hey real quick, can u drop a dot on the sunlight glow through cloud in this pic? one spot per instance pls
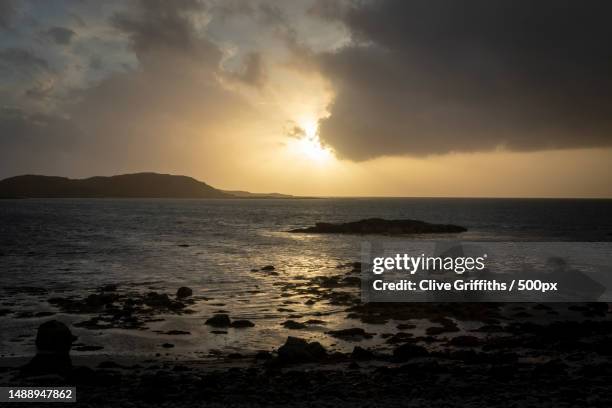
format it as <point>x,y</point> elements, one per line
<point>309,145</point>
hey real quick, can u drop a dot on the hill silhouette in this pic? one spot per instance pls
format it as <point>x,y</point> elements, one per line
<point>139,185</point>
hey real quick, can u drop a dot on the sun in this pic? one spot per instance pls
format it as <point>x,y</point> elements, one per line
<point>309,145</point>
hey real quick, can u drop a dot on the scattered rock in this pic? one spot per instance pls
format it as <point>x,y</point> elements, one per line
<point>219,320</point>
<point>263,355</point>
<point>359,353</point>
<point>293,325</point>
<point>397,338</point>
<point>161,301</point>
<point>240,324</point>
<point>465,341</point>
<point>268,268</point>
<point>407,352</point>
<point>296,350</point>
<point>315,321</point>
<point>355,333</point>
<point>177,332</point>
<point>167,345</point>
<point>183,292</point>
<point>436,330</point>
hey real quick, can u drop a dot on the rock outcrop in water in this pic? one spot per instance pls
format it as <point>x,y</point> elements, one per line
<point>381,226</point>
<point>183,292</point>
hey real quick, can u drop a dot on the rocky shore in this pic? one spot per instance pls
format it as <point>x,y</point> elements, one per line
<point>469,354</point>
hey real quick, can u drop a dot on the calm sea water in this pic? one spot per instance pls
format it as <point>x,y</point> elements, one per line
<point>76,245</point>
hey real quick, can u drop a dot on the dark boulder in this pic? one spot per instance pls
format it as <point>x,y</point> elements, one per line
<point>407,352</point>
<point>381,226</point>
<point>154,299</point>
<point>161,301</point>
<point>177,332</point>
<point>53,343</point>
<point>355,333</point>
<point>219,320</point>
<point>263,355</point>
<point>241,324</point>
<point>268,268</point>
<point>359,353</point>
<point>296,350</point>
<point>54,337</point>
<point>183,292</point>
<point>465,341</point>
<point>293,325</point>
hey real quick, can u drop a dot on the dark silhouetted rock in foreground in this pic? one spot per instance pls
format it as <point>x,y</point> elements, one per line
<point>53,343</point>
<point>54,337</point>
<point>381,226</point>
<point>293,325</point>
<point>408,351</point>
<point>296,350</point>
<point>219,320</point>
<point>241,324</point>
<point>356,333</point>
<point>359,353</point>
<point>183,292</point>
<point>161,301</point>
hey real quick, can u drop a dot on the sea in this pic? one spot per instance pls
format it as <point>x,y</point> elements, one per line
<point>70,247</point>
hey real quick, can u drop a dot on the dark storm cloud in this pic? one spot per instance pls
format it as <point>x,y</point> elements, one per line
<point>59,35</point>
<point>130,116</point>
<point>22,131</point>
<point>7,12</point>
<point>29,141</point>
<point>19,62</point>
<point>158,25</point>
<point>436,76</point>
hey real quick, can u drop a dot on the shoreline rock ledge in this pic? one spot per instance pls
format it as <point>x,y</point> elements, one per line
<point>382,227</point>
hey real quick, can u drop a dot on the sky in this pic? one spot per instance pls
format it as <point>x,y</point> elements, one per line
<point>431,98</point>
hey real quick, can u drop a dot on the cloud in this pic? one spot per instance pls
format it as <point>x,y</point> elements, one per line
<point>168,110</point>
<point>19,60</point>
<point>252,72</point>
<point>7,12</point>
<point>440,76</point>
<point>162,26</point>
<point>59,35</point>
<point>29,141</point>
